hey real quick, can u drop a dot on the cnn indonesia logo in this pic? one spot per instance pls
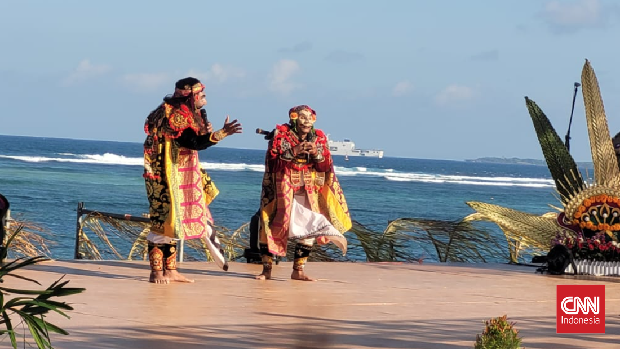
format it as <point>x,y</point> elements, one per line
<point>580,309</point>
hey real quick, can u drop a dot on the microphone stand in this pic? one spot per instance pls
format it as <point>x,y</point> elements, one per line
<point>567,137</point>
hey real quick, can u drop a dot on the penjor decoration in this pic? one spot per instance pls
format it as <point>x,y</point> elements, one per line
<point>590,211</point>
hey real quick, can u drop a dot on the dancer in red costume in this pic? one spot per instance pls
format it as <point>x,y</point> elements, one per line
<point>301,198</point>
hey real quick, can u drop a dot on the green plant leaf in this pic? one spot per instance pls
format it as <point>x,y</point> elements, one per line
<point>23,278</point>
<point>20,263</point>
<point>9,327</point>
<point>559,161</point>
<point>38,307</point>
<point>17,291</point>
<point>57,305</point>
<point>38,334</point>
<point>37,329</point>
<point>49,326</point>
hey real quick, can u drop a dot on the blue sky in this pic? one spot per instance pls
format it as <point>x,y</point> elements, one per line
<point>424,79</point>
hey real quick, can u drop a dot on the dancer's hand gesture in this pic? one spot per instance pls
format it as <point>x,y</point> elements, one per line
<point>231,127</point>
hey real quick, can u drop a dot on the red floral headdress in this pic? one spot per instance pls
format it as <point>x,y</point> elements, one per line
<point>293,113</point>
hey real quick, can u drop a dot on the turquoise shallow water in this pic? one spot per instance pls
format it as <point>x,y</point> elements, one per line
<point>45,178</point>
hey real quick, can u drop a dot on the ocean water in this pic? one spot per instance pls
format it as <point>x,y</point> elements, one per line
<point>45,178</point>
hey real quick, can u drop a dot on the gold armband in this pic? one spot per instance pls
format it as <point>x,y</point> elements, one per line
<point>217,136</point>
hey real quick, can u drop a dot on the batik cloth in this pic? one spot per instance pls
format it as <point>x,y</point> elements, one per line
<point>178,189</point>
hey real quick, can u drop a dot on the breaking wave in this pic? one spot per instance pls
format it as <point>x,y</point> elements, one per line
<point>387,174</point>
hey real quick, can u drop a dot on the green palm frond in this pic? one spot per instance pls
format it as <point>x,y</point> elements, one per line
<point>561,164</point>
<point>20,263</point>
<point>32,311</point>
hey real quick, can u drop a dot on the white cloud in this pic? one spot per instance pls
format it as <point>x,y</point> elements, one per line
<point>218,73</point>
<point>146,81</point>
<point>280,77</point>
<point>402,88</point>
<point>571,16</point>
<point>84,71</point>
<point>455,94</point>
<point>223,73</point>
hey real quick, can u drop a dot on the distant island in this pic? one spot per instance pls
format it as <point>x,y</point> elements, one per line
<point>518,161</point>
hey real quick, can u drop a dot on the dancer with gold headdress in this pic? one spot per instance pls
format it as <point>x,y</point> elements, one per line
<point>301,198</point>
<point>178,189</point>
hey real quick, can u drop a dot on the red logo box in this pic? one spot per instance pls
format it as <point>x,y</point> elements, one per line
<point>580,309</point>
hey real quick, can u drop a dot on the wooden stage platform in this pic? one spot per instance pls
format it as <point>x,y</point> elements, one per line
<point>353,305</point>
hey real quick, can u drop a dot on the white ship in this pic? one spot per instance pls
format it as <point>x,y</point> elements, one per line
<point>347,148</point>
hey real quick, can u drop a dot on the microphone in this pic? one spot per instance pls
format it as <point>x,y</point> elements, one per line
<point>268,134</point>
<point>260,131</point>
<point>203,114</point>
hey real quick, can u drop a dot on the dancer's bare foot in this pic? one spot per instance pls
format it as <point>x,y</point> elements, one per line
<point>158,277</point>
<point>300,275</point>
<point>174,275</point>
<point>265,275</point>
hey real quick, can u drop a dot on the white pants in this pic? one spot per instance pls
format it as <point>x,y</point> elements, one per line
<point>159,238</point>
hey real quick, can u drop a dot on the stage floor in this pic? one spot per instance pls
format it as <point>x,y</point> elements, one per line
<point>353,305</point>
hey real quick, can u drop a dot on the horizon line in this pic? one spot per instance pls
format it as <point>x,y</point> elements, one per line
<point>393,157</point>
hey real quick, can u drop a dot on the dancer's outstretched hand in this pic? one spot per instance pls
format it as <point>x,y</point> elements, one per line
<point>231,127</point>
